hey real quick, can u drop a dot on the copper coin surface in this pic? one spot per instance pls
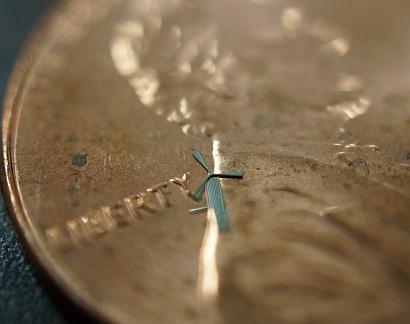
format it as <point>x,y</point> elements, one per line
<point>298,114</point>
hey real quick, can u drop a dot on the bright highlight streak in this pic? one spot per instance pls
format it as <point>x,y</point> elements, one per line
<point>208,281</point>
<point>217,156</point>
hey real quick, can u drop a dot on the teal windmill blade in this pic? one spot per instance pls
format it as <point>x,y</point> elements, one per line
<point>232,174</point>
<point>200,190</point>
<point>214,193</point>
<point>216,201</point>
<point>200,158</point>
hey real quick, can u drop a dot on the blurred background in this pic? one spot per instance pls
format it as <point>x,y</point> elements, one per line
<point>22,297</point>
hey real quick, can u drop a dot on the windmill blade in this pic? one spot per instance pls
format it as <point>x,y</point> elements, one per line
<point>232,174</point>
<point>216,201</point>
<point>200,158</point>
<point>198,210</point>
<point>200,190</point>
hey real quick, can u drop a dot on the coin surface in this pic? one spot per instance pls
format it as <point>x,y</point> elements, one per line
<point>284,125</point>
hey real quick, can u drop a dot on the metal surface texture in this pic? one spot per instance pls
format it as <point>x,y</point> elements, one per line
<point>310,100</point>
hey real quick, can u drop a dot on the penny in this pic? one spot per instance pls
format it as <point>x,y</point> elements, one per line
<point>283,127</point>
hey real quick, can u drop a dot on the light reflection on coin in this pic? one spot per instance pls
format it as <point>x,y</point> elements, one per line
<point>309,100</point>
